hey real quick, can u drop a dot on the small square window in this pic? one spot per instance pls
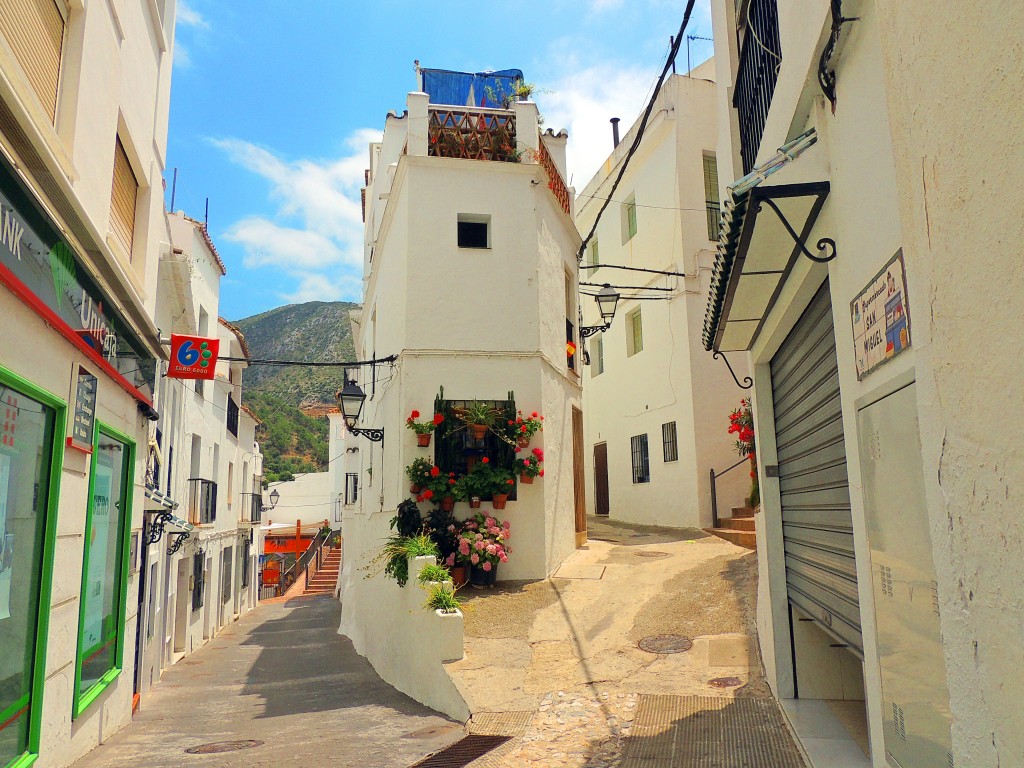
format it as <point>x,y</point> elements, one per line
<point>628,219</point>
<point>474,231</point>
<point>634,333</point>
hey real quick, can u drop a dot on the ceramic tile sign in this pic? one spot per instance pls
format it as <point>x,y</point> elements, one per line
<point>881,318</point>
<point>192,357</point>
<point>84,415</point>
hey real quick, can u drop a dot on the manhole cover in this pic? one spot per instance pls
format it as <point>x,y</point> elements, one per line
<point>650,553</point>
<point>216,747</point>
<point>665,644</point>
<point>725,682</point>
<point>433,730</point>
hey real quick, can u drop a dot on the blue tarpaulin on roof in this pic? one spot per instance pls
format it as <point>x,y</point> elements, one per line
<point>480,89</point>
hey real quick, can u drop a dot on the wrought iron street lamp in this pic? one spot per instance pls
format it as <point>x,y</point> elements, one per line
<point>607,301</point>
<point>275,496</point>
<point>351,400</point>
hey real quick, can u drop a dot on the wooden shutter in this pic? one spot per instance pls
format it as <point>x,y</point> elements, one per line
<point>122,200</point>
<point>34,29</point>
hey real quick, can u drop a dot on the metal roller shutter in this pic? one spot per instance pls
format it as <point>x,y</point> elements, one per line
<point>821,576</point>
<point>34,29</point>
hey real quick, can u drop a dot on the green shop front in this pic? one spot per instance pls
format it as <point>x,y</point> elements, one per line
<point>75,384</point>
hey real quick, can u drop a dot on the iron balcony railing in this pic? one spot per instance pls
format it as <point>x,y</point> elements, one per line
<point>252,508</point>
<point>760,57</point>
<point>202,500</point>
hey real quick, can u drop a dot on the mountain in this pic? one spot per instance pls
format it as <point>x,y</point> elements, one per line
<point>292,400</point>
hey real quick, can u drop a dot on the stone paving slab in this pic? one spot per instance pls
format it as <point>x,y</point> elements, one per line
<point>284,676</point>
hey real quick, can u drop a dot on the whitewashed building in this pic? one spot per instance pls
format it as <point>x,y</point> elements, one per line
<point>656,404</point>
<point>84,94</point>
<point>867,267</point>
<point>471,282</point>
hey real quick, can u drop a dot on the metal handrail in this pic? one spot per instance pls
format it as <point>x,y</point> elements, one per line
<point>301,564</point>
<point>714,490</point>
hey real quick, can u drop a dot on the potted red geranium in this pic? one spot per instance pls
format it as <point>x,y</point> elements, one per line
<point>423,429</point>
<point>521,430</point>
<point>530,467</point>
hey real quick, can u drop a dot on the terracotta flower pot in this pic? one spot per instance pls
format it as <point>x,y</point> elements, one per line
<point>413,488</point>
<point>474,502</point>
<point>479,431</point>
<point>525,479</point>
<point>498,500</point>
<point>522,441</point>
<point>423,440</point>
<point>458,573</point>
<point>448,503</point>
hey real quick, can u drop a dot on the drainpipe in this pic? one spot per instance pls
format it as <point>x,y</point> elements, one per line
<point>615,130</point>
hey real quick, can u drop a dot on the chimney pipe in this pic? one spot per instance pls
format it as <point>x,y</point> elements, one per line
<point>615,130</point>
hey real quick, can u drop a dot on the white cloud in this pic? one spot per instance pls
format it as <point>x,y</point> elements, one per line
<point>189,16</point>
<point>182,60</point>
<point>316,235</point>
<point>582,102</point>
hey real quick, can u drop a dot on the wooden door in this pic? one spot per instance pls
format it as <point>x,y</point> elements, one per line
<point>578,486</point>
<point>601,479</point>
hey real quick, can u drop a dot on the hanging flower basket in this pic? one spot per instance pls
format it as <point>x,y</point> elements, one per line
<point>526,479</point>
<point>474,502</point>
<point>413,488</point>
<point>448,503</point>
<point>478,431</point>
<point>423,440</point>
<point>499,500</point>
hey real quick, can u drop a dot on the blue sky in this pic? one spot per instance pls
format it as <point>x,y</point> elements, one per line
<point>273,103</point>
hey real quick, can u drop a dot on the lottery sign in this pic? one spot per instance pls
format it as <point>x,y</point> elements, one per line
<point>192,357</point>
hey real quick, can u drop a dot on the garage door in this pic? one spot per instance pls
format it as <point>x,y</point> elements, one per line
<point>821,577</point>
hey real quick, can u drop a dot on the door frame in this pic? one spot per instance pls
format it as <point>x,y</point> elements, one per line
<point>578,480</point>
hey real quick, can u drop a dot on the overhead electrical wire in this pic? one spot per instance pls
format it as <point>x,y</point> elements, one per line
<point>635,269</point>
<point>673,52</point>
<point>624,287</point>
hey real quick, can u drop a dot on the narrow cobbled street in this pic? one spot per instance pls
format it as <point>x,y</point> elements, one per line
<point>283,685</point>
<point>637,653</point>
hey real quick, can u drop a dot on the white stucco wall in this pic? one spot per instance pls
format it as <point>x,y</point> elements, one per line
<point>306,499</point>
<point>672,379</point>
<point>956,137</point>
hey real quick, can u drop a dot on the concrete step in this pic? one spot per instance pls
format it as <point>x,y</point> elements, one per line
<point>746,539</point>
<point>742,511</point>
<point>737,523</point>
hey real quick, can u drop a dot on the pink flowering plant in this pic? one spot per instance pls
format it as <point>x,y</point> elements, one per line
<point>531,464</point>
<point>482,543</point>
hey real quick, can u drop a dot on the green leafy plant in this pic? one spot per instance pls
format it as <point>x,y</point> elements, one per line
<point>433,572</point>
<point>408,521</point>
<point>477,412</point>
<point>491,479</point>
<point>441,598</point>
<point>393,558</point>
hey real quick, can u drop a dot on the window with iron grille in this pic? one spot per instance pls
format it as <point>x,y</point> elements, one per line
<point>198,582</point>
<point>455,449</point>
<point>244,562</point>
<point>351,487</point>
<point>641,460</point>
<point>232,416</point>
<point>759,63</point>
<point>711,199</point>
<point>225,573</point>
<point>669,446</point>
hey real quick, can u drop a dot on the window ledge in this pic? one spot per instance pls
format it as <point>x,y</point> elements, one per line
<point>87,698</point>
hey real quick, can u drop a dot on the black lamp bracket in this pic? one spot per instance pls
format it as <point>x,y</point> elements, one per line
<point>156,526</point>
<point>825,244</point>
<point>748,383</point>
<point>179,541</point>
<point>589,330</point>
<point>373,435</point>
